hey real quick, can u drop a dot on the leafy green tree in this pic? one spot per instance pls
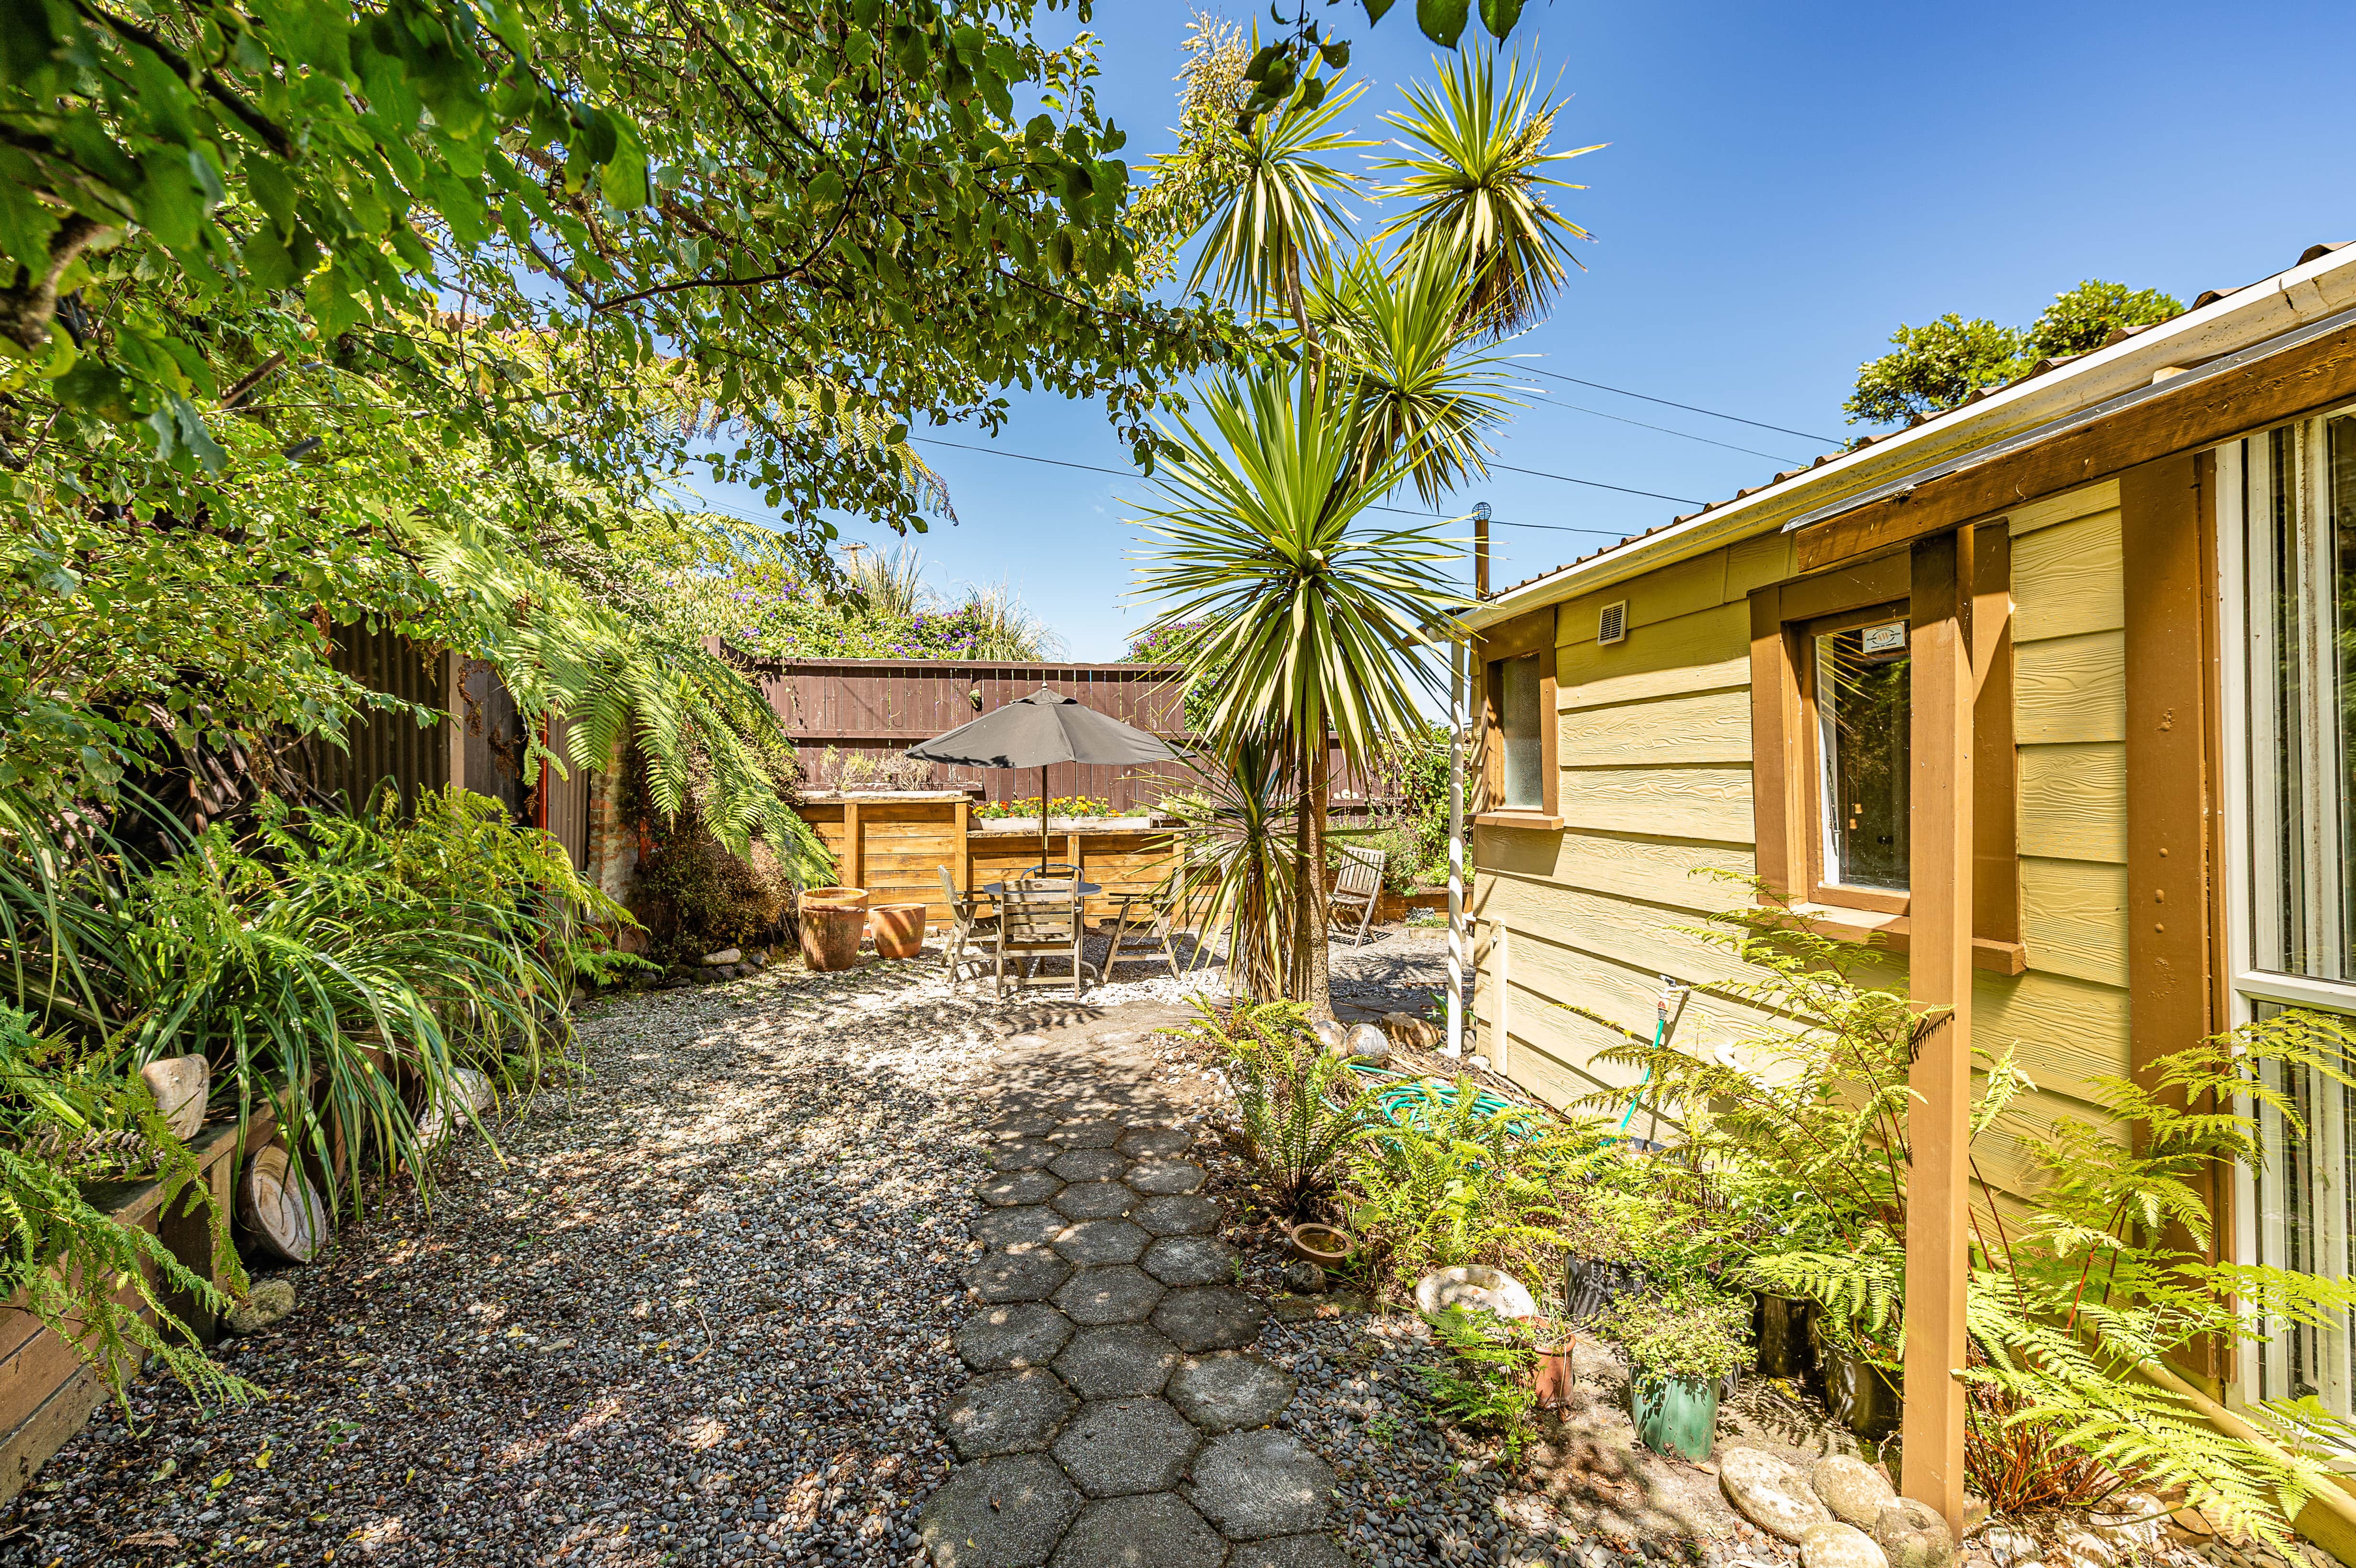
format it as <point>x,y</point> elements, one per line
<point>1316,616</point>
<point>1476,184</point>
<point>1936,367</point>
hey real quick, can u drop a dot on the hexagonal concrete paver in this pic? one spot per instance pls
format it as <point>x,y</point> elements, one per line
<point>1163,1177</point>
<point>1015,1187</point>
<point>1228,1390</point>
<point>1289,1551</point>
<point>1033,1226</point>
<point>1088,1165</point>
<point>1102,1242</point>
<point>1019,1334</point>
<point>1123,1359</point>
<point>1120,1293</point>
<point>1084,1134</point>
<point>1181,1215</point>
<point>1206,1316</point>
<point>1031,1273</point>
<point>1021,1154</point>
<point>1118,1447</point>
<point>1094,1199</point>
<point>1192,1260</point>
<point>1008,1513</point>
<point>1256,1483</point>
<point>1158,1530</point>
<point>1153,1142</point>
<point>1007,1412</point>
<point>1023,1124</point>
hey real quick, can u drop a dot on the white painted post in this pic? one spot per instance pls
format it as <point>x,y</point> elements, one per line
<point>1456,945</point>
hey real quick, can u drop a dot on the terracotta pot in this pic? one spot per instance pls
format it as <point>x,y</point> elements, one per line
<point>899,930</point>
<point>1551,1375</point>
<point>833,898</point>
<point>1328,1246</point>
<point>830,936</point>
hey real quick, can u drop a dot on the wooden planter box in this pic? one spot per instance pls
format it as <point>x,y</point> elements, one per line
<point>46,1391</point>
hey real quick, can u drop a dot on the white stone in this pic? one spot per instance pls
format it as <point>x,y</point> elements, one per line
<point>1853,1489</point>
<point>1911,1534</point>
<point>725,955</point>
<point>1770,1493</point>
<point>1832,1544</point>
<point>1476,1287</point>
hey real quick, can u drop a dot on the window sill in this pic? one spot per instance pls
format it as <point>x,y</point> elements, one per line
<point>1891,932</point>
<point>1535,821</point>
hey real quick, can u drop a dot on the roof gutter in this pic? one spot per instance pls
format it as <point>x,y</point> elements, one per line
<point>2249,322</point>
<point>2184,380</point>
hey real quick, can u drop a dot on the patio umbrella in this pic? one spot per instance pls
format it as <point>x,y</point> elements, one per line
<point>1036,732</point>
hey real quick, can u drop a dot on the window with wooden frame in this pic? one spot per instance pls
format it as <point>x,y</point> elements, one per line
<point>1831,665</point>
<point>1521,780</point>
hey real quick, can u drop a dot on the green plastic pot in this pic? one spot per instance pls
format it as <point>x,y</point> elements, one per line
<point>1677,1416</point>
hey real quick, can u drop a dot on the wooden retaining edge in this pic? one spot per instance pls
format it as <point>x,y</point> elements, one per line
<point>2329,1517</point>
<point>47,1391</point>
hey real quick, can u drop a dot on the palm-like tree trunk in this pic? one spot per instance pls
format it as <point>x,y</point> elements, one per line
<point>1310,924</point>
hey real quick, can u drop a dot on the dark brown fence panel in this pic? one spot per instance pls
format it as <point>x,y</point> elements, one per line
<point>381,745</point>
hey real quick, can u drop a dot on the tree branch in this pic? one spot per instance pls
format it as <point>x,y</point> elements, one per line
<point>275,139</point>
<point>27,310</point>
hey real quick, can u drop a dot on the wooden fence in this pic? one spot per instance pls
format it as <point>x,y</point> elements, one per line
<point>851,721</point>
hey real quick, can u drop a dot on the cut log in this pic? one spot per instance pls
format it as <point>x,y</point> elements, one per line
<point>277,1204</point>
<point>181,1085</point>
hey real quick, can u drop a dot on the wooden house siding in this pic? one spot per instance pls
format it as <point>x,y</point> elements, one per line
<point>1576,927</point>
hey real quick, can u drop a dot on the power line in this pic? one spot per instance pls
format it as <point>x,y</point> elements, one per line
<point>1410,511</point>
<point>1639,424</point>
<point>1596,485</point>
<point>1647,397</point>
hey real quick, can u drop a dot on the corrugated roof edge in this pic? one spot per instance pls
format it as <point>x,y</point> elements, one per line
<point>2247,315</point>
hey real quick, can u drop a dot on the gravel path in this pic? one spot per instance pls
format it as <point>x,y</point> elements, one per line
<point>703,1310</point>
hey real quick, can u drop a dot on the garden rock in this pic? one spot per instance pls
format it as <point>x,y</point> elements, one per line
<point>1304,1277</point>
<point>1832,1544</point>
<point>1770,1494</point>
<point>725,955</point>
<point>1368,1044</point>
<point>1912,1535</point>
<point>270,1301</point>
<point>1410,1031</point>
<point>1853,1489</point>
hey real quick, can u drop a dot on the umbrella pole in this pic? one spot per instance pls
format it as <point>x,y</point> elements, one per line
<point>1042,820</point>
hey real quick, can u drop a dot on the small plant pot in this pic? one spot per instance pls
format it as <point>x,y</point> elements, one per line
<point>1784,1337</point>
<point>899,930</point>
<point>1327,1247</point>
<point>1551,1375</point>
<point>1676,1417</point>
<point>1591,1285</point>
<point>1860,1395</point>
<point>830,935</point>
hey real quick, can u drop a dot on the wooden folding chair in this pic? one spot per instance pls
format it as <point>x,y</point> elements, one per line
<point>1358,887</point>
<point>966,923</point>
<point>1147,924</point>
<point>1040,917</point>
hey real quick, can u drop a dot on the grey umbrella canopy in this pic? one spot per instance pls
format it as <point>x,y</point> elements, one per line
<point>1036,732</point>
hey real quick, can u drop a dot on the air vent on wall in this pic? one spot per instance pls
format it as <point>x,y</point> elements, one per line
<point>1612,625</point>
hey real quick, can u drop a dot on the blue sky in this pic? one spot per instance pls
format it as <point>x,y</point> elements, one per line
<point>1784,186</point>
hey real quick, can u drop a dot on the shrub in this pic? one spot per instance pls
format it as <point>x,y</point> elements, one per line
<point>694,896</point>
<point>1485,1382</point>
<point>1690,1329</point>
<point>69,1116</point>
<point>1300,1107</point>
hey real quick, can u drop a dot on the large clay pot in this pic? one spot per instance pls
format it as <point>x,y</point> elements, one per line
<point>833,898</point>
<point>899,930</point>
<point>830,936</point>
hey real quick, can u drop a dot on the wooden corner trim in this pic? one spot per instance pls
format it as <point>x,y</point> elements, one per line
<point>1894,934</point>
